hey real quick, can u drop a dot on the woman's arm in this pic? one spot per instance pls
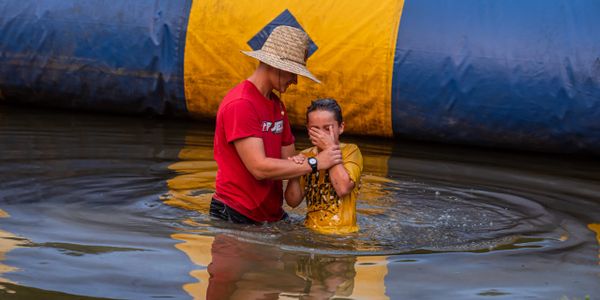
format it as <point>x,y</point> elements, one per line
<point>340,180</point>
<point>293,192</point>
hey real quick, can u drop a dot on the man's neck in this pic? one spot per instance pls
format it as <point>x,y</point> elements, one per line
<point>260,79</point>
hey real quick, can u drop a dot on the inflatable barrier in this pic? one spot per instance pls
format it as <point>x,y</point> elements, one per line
<point>520,74</point>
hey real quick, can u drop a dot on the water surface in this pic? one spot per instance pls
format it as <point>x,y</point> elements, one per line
<point>98,206</point>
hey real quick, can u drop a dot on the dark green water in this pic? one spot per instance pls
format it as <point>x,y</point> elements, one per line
<point>97,206</point>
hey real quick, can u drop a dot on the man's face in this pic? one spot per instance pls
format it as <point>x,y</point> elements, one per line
<point>282,80</point>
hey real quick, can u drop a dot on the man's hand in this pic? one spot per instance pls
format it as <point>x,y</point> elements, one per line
<point>298,159</point>
<point>322,139</point>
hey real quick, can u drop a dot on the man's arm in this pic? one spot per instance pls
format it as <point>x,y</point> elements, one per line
<point>252,152</point>
<point>288,151</point>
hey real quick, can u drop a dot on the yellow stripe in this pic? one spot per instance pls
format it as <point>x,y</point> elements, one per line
<point>356,41</point>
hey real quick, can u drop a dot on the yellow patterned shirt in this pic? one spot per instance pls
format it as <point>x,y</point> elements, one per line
<point>326,211</point>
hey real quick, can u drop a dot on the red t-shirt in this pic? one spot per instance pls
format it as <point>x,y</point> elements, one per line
<point>245,112</point>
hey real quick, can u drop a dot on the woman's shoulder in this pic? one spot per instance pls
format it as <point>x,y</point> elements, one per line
<point>312,151</point>
<point>349,148</point>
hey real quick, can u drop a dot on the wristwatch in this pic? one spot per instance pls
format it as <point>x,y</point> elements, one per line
<point>312,162</point>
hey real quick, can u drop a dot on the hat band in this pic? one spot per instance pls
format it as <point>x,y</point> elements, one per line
<point>292,60</point>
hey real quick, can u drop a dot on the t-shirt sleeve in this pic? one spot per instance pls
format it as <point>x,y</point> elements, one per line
<point>240,120</point>
<point>288,137</point>
<point>353,162</point>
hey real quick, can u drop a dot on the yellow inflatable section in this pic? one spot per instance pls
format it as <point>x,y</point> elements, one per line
<point>349,40</point>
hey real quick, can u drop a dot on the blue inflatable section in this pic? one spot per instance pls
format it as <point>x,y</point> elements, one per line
<point>520,73</point>
<point>124,56</point>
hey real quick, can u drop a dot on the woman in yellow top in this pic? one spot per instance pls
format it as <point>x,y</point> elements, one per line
<point>330,194</point>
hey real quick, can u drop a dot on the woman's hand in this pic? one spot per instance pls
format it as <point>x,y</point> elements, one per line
<point>322,139</point>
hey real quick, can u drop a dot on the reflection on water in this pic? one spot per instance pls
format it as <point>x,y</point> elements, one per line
<point>116,207</point>
<point>198,248</point>
<point>8,242</point>
<point>596,228</point>
<point>235,269</point>
<point>194,183</point>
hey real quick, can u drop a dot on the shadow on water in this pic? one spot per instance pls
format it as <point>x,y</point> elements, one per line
<point>115,207</point>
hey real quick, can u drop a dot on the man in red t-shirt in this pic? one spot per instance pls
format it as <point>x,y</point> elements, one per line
<point>253,138</point>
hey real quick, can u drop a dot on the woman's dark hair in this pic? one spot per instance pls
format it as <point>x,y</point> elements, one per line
<point>326,104</point>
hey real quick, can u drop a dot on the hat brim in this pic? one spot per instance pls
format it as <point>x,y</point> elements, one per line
<point>286,65</point>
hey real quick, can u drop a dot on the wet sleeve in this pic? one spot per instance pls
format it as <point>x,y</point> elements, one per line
<point>288,137</point>
<point>240,120</point>
<point>353,162</point>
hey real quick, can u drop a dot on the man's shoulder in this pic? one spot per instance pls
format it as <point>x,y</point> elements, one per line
<point>231,105</point>
<point>236,97</point>
<point>240,93</point>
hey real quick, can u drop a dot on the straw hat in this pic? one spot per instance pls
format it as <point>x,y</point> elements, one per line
<point>286,49</point>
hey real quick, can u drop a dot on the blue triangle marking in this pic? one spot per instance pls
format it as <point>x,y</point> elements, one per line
<point>285,18</point>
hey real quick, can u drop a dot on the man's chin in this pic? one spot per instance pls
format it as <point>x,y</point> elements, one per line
<point>284,89</point>
<point>287,87</point>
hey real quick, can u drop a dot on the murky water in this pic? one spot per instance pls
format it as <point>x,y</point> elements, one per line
<point>97,206</point>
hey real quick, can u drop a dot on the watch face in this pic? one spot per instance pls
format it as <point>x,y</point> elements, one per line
<point>312,160</point>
